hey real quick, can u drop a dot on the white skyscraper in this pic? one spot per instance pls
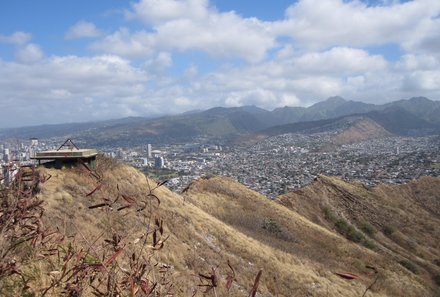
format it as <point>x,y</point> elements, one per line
<point>6,155</point>
<point>149,150</point>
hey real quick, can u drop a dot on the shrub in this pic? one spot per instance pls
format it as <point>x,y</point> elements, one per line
<point>271,226</point>
<point>328,214</point>
<point>368,229</point>
<point>354,235</point>
<point>342,226</point>
<point>388,230</point>
<point>370,244</point>
<point>436,279</point>
<point>437,262</point>
<point>409,265</point>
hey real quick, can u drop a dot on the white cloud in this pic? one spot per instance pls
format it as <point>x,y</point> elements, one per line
<point>160,63</point>
<point>296,78</point>
<point>127,44</point>
<point>71,88</point>
<point>25,52</point>
<point>422,81</point>
<point>190,25</point>
<point>339,61</point>
<point>329,53</point>
<point>159,11</point>
<point>220,35</point>
<point>194,25</point>
<point>82,29</point>
<point>324,23</point>
<point>183,101</point>
<point>29,53</point>
<point>426,40</point>
<point>74,88</point>
<point>191,72</point>
<point>17,38</point>
<point>411,62</point>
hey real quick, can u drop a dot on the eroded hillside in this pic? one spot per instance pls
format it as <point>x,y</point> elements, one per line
<point>217,227</point>
<point>400,222</point>
<point>301,235</point>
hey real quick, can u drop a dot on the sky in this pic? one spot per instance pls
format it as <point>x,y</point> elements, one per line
<point>78,60</point>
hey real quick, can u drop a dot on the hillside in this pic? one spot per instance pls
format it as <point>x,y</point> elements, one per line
<point>363,129</point>
<point>335,107</point>
<point>400,221</point>
<point>299,234</point>
<point>421,107</point>
<point>216,122</point>
<point>215,222</point>
<point>358,127</point>
<point>347,129</point>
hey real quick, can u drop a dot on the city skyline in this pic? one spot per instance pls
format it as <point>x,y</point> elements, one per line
<point>76,61</point>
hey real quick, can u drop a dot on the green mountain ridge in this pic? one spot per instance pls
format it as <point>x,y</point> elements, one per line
<point>415,116</point>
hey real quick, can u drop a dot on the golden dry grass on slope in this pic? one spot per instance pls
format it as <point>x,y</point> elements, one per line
<point>217,221</point>
<point>400,222</point>
<point>361,130</point>
<point>198,241</point>
<point>287,230</point>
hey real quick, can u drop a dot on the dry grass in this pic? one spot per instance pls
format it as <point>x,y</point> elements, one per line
<point>198,241</point>
<point>216,226</point>
<point>410,210</point>
<point>361,130</point>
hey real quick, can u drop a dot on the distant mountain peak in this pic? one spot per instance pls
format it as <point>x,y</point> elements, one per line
<point>331,102</point>
<point>419,99</point>
<point>336,99</point>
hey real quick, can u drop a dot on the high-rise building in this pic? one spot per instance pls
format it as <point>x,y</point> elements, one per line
<point>34,141</point>
<point>149,155</point>
<point>6,155</point>
<point>159,162</point>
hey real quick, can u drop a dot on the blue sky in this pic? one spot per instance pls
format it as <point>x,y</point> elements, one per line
<point>74,61</point>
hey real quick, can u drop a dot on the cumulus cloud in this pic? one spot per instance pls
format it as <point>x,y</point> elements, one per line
<point>324,23</point>
<point>413,62</point>
<point>422,81</point>
<point>76,88</point>
<point>338,61</point>
<point>25,52</point>
<point>296,78</point>
<point>427,39</point>
<point>160,63</point>
<point>72,88</point>
<point>328,51</point>
<point>17,38</point>
<point>82,29</point>
<point>127,44</point>
<point>156,12</point>
<point>29,53</point>
<point>190,25</point>
<point>194,25</point>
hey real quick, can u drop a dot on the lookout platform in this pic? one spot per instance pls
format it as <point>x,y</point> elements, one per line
<point>67,155</point>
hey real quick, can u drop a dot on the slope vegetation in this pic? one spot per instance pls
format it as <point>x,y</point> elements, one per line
<point>217,233</point>
<point>300,234</point>
<point>399,222</point>
<point>361,130</point>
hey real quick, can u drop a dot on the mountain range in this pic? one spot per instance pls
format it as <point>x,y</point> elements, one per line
<point>415,116</point>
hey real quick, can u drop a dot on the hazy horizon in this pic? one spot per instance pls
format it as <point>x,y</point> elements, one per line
<point>82,61</point>
<point>186,112</point>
